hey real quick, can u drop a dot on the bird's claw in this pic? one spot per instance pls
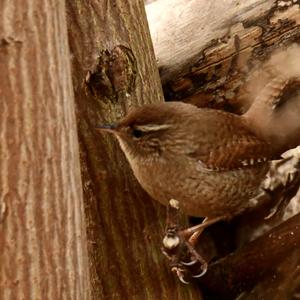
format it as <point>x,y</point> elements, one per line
<point>166,254</point>
<point>204,270</point>
<point>180,274</point>
<point>204,267</point>
<point>190,263</point>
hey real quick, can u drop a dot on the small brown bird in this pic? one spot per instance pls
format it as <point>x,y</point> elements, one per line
<point>208,160</point>
<point>211,163</point>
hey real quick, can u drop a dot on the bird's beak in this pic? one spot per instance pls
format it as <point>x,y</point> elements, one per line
<point>107,127</point>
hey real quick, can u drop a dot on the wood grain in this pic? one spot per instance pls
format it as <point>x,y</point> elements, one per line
<point>216,45</point>
<point>249,265</point>
<point>42,234</point>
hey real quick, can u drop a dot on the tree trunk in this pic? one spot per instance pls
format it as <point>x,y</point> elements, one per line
<point>113,68</point>
<point>42,232</point>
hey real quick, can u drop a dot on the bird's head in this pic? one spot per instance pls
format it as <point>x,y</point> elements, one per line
<point>149,130</point>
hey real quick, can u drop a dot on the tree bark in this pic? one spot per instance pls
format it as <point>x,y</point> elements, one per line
<point>42,232</point>
<point>114,68</point>
<point>216,44</point>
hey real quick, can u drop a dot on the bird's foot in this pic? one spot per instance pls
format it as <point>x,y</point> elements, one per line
<point>184,259</point>
<point>197,263</point>
<point>184,274</point>
<point>181,273</point>
<point>179,245</point>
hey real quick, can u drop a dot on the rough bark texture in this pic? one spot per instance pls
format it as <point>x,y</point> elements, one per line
<point>42,235</point>
<point>195,27</point>
<point>216,44</point>
<point>113,68</point>
<point>247,266</point>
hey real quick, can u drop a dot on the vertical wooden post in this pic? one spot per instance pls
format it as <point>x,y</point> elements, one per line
<point>112,53</point>
<point>42,234</point>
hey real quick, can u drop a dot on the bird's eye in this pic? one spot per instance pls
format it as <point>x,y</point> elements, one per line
<point>137,133</point>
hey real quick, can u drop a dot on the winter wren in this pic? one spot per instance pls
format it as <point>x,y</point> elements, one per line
<point>208,160</point>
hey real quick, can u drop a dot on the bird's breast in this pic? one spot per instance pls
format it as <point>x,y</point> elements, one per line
<point>200,192</point>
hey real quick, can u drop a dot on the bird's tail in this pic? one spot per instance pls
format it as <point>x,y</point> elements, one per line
<point>275,110</point>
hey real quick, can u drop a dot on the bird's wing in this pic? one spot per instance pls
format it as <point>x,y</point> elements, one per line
<point>244,152</point>
<point>237,150</point>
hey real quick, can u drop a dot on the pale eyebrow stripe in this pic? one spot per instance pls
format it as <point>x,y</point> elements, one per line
<point>152,127</point>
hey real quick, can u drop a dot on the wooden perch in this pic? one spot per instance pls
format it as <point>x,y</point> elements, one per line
<point>246,266</point>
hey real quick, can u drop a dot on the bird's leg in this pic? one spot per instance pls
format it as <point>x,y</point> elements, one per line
<point>174,247</point>
<point>171,240</point>
<point>191,236</point>
<point>177,241</point>
<point>193,233</point>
